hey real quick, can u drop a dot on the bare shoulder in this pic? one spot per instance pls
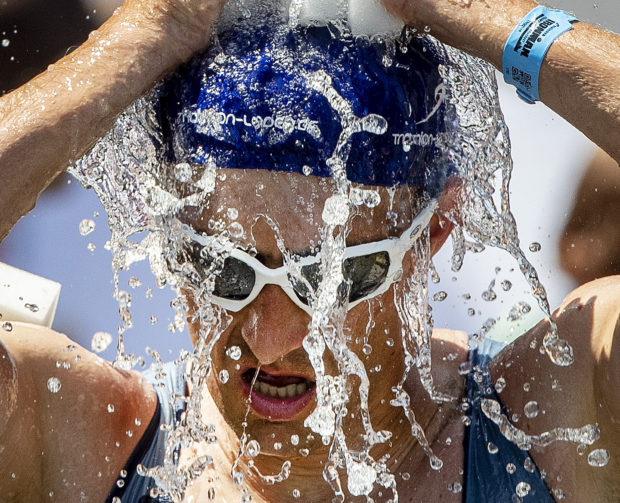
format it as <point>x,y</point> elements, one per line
<point>60,429</point>
<point>583,393</point>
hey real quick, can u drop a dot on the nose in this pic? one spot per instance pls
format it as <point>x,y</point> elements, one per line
<point>274,325</point>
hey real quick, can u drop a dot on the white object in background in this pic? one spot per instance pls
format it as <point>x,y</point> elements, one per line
<point>365,17</point>
<point>369,17</point>
<point>321,11</point>
<point>27,297</point>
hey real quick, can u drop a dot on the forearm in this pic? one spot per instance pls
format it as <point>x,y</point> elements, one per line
<point>53,120</point>
<point>579,77</point>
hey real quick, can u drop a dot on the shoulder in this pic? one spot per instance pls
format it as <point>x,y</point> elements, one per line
<point>573,396</point>
<point>63,395</point>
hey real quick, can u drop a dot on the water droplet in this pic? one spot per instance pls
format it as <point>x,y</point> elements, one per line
<point>366,349</point>
<point>531,409</point>
<point>304,452</point>
<point>120,483</point>
<point>336,210</point>
<point>296,493</point>
<point>535,247</point>
<point>7,326</point>
<point>492,448</point>
<point>153,320</point>
<point>238,478</point>
<point>32,307</point>
<point>307,170</point>
<point>581,449</point>
<point>235,230</point>
<point>277,446</point>
<point>86,226</point>
<point>234,352</point>
<point>134,282</point>
<point>455,488</point>
<point>232,213</point>
<point>523,489</point>
<point>558,494</point>
<point>529,465</point>
<point>123,473</point>
<point>100,341</point>
<point>526,387</point>
<point>511,468</point>
<point>6,42</point>
<point>389,342</point>
<point>500,384</point>
<point>440,296</point>
<point>110,408</point>
<point>560,352</point>
<point>53,384</point>
<point>436,463</point>
<point>253,448</point>
<point>471,312</point>
<point>211,493</point>
<point>405,475</point>
<point>223,376</point>
<point>598,458</point>
<point>294,439</point>
<point>506,285</point>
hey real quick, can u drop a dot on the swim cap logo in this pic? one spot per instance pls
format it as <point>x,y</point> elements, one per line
<point>211,122</point>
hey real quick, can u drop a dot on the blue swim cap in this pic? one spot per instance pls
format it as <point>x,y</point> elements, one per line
<point>255,101</point>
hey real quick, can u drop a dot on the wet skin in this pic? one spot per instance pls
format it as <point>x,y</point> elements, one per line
<point>68,444</point>
<point>271,329</point>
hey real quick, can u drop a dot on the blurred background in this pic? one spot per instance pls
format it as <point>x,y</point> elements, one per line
<point>565,197</point>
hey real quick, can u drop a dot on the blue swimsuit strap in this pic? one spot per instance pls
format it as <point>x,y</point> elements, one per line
<point>487,476</point>
<point>168,383</point>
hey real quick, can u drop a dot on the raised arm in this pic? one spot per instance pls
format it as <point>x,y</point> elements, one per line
<point>54,119</point>
<point>579,77</point>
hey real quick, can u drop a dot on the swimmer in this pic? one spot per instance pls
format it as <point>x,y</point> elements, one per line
<point>69,449</point>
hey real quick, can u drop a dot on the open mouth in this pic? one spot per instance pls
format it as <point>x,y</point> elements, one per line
<point>277,397</point>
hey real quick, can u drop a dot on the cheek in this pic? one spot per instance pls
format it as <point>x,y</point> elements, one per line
<point>375,337</point>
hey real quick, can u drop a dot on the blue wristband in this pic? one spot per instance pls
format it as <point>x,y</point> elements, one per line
<point>527,45</point>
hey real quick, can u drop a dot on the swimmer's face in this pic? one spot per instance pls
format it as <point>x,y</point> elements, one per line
<point>271,329</point>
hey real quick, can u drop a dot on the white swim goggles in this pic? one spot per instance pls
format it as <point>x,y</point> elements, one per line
<point>369,269</point>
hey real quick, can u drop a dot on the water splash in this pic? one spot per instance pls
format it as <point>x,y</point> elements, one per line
<point>587,434</point>
<point>143,197</point>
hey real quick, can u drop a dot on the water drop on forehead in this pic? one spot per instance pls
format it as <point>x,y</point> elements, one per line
<point>232,213</point>
<point>53,384</point>
<point>336,210</point>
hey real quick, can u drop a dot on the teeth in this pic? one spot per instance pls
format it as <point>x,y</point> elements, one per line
<point>290,391</point>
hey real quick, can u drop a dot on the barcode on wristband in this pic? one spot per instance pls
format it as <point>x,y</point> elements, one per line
<point>522,78</point>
